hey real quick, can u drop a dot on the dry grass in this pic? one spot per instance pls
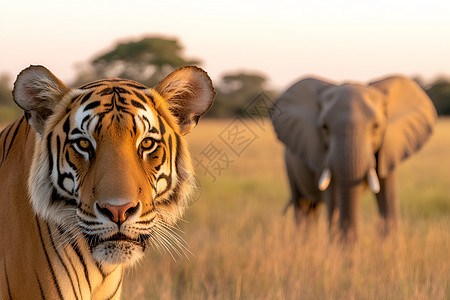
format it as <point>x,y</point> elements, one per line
<point>244,248</point>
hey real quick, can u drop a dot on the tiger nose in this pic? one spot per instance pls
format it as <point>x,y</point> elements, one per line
<point>118,213</point>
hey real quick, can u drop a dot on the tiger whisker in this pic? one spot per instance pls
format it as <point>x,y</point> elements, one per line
<point>176,242</point>
<point>160,211</point>
<point>180,243</point>
<point>172,243</point>
<point>68,238</point>
<point>154,244</point>
<point>174,227</point>
<point>65,232</point>
<point>157,240</point>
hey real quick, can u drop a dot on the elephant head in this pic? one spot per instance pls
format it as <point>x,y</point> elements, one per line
<point>353,135</point>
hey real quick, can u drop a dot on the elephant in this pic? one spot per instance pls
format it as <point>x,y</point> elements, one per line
<point>342,138</point>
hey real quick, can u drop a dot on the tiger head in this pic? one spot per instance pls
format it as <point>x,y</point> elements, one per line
<point>110,162</point>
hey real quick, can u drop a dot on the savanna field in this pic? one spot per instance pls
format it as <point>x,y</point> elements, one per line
<point>241,246</point>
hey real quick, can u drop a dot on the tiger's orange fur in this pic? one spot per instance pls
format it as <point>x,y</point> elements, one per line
<point>90,177</point>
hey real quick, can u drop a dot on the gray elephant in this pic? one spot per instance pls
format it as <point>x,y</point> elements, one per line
<point>342,138</point>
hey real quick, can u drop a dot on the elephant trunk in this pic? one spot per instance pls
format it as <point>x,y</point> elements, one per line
<point>352,156</point>
<point>352,162</point>
<point>348,207</point>
<point>352,166</point>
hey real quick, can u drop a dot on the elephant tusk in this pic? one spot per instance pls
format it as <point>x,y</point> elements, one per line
<point>374,183</point>
<point>324,180</point>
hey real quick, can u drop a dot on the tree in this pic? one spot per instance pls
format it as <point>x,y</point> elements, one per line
<point>236,91</point>
<point>8,109</point>
<point>439,92</point>
<point>5,90</point>
<point>148,61</point>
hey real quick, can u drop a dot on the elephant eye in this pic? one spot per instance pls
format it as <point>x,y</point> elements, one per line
<point>325,127</point>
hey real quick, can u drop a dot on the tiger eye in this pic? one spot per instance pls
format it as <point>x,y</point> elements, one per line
<point>84,144</point>
<point>147,143</point>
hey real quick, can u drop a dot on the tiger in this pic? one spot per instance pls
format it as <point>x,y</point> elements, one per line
<point>90,177</point>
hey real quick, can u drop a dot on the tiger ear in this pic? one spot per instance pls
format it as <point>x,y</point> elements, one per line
<point>37,91</point>
<point>189,93</point>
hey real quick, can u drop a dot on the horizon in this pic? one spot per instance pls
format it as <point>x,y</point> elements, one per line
<point>284,41</point>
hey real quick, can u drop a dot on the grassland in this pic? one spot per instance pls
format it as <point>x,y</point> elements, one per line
<point>243,247</point>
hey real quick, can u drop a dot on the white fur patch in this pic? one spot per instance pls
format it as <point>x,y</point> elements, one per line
<point>68,184</point>
<point>41,189</point>
<point>161,185</point>
<point>80,115</point>
<point>142,127</point>
<point>118,253</point>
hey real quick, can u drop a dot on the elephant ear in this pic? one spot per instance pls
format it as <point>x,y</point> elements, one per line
<point>294,116</point>
<point>410,120</point>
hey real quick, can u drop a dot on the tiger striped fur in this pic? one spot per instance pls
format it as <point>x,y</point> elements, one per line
<point>90,177</point>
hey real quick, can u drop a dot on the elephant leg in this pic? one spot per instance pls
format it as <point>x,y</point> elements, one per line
<point>330,198</point>
<point>388,203</point>
<point>306,212</point>
<point>300,203</point>
<point>304,194</point>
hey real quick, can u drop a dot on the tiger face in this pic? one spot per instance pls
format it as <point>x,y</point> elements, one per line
<point>111,165</point>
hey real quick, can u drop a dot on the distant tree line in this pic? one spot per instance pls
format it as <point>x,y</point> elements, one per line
<point>150,59</point>
<point>439,92</point>
<point>5,90</point>
<point>8,109</point>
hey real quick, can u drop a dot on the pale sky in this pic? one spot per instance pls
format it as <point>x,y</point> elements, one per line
<point>283,39</point>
